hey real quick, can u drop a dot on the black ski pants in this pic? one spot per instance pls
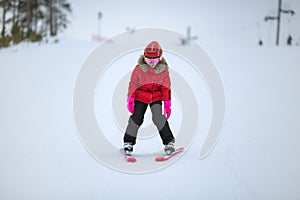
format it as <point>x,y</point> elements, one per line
<point>137,118</point>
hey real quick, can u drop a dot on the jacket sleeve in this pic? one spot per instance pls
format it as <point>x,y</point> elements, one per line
<point>134,83</point>
<point>166,86</point>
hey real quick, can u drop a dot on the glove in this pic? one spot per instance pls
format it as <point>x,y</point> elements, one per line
<point>167,109</point>
<point>130,104</point>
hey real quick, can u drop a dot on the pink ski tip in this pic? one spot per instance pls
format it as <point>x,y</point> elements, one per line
<point>159,159</point>
<point>132,160</point>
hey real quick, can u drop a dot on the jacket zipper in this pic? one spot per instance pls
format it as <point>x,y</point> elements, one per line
<point>151,96</point>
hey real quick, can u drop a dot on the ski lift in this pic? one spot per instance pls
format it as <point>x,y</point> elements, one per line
<point>188,38</point>
<point>278,18</point>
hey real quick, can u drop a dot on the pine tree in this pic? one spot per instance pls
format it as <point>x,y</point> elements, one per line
<point>32,20</point>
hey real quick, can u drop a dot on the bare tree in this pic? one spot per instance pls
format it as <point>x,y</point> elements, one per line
<point>4,10</point>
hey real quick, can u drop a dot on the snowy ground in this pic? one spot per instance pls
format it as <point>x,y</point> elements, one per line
<point>256,158</point>
<point>41,156</point>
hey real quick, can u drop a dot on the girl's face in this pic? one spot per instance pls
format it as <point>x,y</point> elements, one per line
<point>152,62</point>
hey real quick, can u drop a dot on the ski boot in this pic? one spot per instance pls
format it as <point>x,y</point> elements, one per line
<point>169,148</point>
<point>128,148</point>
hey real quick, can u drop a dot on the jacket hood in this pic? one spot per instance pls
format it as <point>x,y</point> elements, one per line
<point>159,68</point>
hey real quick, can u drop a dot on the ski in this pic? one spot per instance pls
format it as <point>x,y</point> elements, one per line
<point>167,157</point>
<point>128,158</point>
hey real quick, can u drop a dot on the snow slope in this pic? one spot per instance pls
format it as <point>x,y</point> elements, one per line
<point>41,156</point>
<point>256,158</point>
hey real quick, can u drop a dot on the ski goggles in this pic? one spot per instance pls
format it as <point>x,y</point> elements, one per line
<point>152,61</point>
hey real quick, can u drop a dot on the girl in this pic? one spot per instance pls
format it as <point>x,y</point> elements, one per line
<point>149,85</point>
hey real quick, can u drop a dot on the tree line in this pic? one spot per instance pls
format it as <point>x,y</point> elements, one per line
<point>32,20</point>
